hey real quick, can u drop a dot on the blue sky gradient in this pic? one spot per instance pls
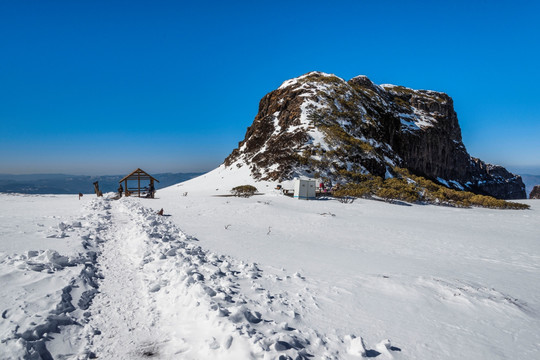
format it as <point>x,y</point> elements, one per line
<point>103,87</point>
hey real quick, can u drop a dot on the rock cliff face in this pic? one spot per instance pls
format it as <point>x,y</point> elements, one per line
<point>321,125</point>
<point>535,193</point>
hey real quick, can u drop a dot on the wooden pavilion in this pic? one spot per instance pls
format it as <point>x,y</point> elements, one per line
<point>137,175</point>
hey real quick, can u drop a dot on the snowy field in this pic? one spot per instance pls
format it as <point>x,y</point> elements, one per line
<point>266,277</point>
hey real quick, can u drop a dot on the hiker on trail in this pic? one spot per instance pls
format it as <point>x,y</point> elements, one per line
<point>151,190</point>
<point>328,186</point>
<point>120,190</point>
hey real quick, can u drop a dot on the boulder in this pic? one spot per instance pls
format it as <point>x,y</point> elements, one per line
<point>535,193</point>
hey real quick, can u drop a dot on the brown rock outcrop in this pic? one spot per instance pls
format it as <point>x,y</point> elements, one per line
<point>535,193</point>
<point>321,124</point>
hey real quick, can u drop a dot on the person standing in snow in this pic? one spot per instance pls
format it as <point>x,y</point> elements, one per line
<point>151,190</point>
<point>120,190</point>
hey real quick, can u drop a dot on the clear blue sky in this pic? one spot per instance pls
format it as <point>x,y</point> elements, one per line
<point>103,87</point>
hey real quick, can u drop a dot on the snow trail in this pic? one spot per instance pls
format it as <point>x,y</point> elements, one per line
<point>123,315</point>
<point>163,296</point>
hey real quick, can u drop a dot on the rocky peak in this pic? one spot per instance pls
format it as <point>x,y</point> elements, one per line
<point>535,193</point>
<point>319,124</point>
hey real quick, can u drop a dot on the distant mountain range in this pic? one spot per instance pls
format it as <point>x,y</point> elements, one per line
<point>74,184</point>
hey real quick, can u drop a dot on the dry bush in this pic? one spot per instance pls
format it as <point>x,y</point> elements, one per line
<point>244,190</point>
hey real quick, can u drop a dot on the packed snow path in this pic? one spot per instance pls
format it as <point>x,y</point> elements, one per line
<point>122,310</point>
<point>163,296</point>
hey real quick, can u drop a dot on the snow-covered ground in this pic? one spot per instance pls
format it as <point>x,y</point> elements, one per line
<point>265,277</point>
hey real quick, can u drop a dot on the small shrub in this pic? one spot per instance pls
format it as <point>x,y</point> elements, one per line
<point>326,79</point>
<point>517,206</point>
<point>244,190</point>
<point>491,202</point>
<point>400,102</point>
<point>398,189</point>
<point>346,199</point>
<point>352,190</point>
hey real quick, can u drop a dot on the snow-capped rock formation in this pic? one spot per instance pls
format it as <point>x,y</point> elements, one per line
<point>321,125</point>
<point>535,193</point>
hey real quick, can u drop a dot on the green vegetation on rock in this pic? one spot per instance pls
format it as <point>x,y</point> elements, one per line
<point>411,188</point>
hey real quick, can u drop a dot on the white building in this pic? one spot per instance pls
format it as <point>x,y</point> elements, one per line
<point>304,188</point>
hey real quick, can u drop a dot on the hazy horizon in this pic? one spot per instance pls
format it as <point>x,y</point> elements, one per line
<point>104,174</point>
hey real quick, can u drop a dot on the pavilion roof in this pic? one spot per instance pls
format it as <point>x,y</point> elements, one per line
<point>139,174</point>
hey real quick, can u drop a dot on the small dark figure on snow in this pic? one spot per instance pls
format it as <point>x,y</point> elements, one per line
<point>120,190</point>
<point>151,190</point>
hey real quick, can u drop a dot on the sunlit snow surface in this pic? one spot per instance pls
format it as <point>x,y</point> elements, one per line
<point>239,278</point>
